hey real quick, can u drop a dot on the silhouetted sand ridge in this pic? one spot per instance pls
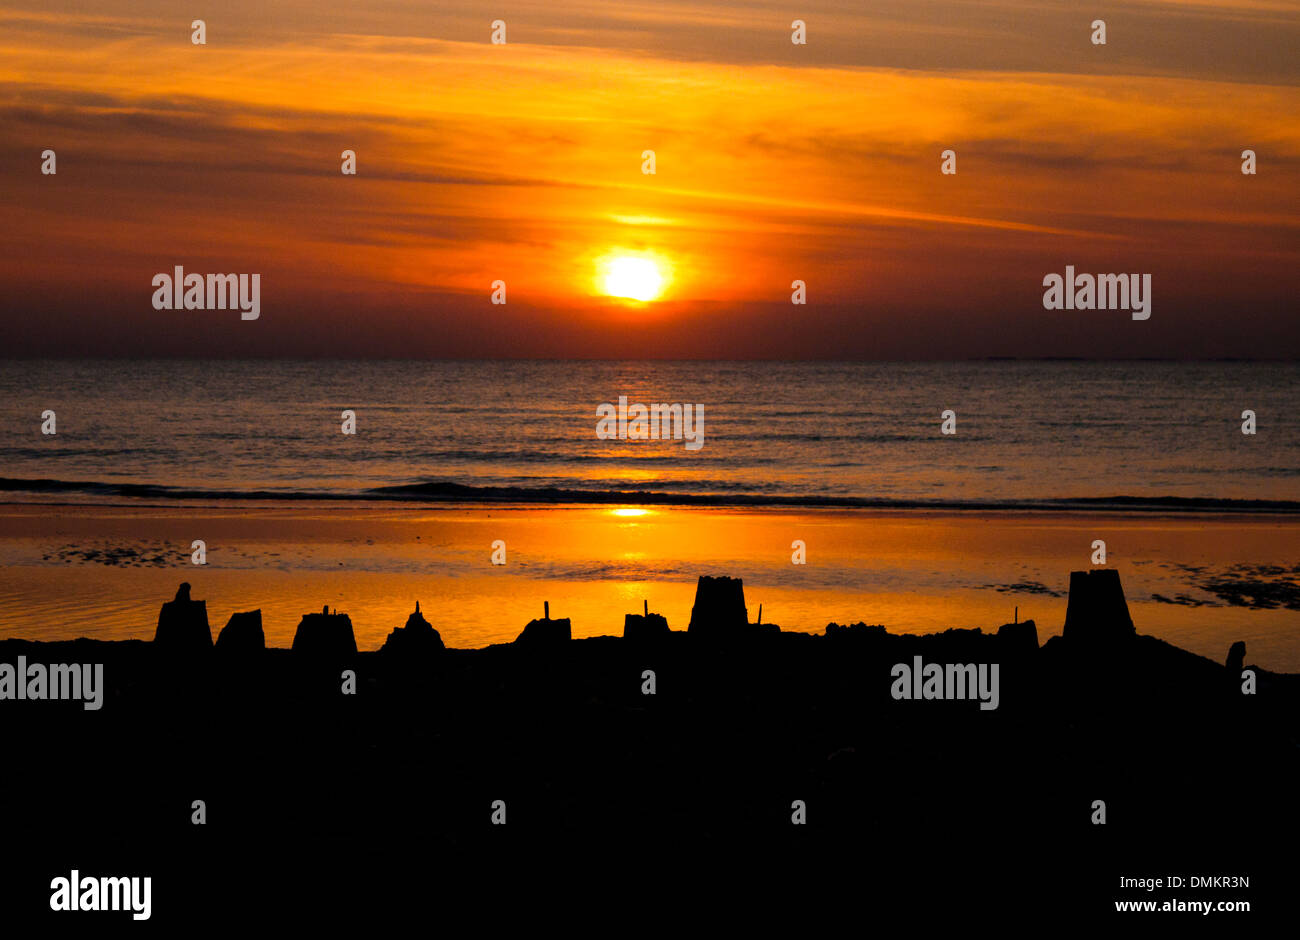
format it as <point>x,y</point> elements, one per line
<point>1097,617</point>
<point>1097,623</point>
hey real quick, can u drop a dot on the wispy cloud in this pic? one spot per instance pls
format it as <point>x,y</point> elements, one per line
<point>523,161</point>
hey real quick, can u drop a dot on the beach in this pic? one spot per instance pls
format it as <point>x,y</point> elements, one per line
<point>102,571</point>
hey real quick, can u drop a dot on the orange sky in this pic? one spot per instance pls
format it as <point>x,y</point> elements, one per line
<point>775,162</point>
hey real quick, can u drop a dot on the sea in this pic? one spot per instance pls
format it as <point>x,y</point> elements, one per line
<point>1131,435</point>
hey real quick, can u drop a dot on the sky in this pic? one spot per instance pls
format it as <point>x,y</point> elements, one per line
<point>774,162</point>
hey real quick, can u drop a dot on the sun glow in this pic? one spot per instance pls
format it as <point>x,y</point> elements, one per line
<point>632,277</point>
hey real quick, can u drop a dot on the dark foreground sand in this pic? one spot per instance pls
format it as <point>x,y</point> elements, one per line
<point>667,812</point>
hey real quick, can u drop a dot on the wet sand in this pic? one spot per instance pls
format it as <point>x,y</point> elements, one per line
<point>102,571</point>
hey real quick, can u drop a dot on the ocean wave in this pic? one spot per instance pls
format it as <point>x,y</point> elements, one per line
<point>443,491</point>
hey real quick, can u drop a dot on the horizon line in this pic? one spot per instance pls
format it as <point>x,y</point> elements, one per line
<point>270,357</point>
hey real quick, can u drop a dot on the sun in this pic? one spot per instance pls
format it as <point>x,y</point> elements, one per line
<point>636,278</point>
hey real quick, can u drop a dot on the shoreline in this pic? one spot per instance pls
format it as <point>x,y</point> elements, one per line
<point>458,495</point>
<point>898,509</point>
<point>99,571</point>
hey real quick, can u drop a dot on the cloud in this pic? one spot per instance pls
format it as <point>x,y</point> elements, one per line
<point>523,162</point>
